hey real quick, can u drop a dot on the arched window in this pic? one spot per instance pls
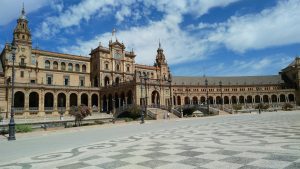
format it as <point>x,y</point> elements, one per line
<point>118,67</point>
<point>70,67</point>
<point>55,65</point>
<point>117,80</point>
<point>47,64</point>
<point>63,66</point>
<point>83,68</point>
<point>77,68</point>
<point>128,68</point>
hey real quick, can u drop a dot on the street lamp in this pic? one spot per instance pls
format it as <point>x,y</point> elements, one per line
<point>170,86</point>
<point>207,100</point>
<point>220,84</point>
<point>11,125</point>
<point>144,100</point>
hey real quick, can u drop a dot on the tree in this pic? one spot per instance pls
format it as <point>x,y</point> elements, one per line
<point>287,106</point>
<point>80,112</point>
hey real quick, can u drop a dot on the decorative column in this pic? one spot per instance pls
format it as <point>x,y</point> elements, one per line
<point>67,102</point>
<point>26,104</point>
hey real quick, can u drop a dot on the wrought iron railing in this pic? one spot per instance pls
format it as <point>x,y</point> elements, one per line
<point>33,108</point>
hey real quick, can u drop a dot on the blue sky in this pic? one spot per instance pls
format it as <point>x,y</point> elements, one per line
<point>211,37</point>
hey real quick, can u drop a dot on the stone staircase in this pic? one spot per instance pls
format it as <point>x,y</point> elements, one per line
<point>160,113</point>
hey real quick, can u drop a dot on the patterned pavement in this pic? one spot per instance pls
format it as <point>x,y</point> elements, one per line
<point>268,141</point>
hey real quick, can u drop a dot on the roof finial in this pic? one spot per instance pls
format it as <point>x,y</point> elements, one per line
<point>159,45</point>
<point>23,12</point>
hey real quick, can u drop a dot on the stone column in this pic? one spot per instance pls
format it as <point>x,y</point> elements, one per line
<point>55,101</point>
<point>67,102</point>
<point>26,104</point>
<point>119,102</point>
<point>126,101</point>
<point>78,99</point>
<point>90,101</point>
<point>107,105</point>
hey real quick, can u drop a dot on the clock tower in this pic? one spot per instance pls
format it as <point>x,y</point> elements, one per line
<point>22,33</point>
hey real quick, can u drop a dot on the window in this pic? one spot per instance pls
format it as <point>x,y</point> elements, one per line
<point>83,68</point>
<point>118,67</point>
<point>77,68</point>
<point>55,65</point>
<point>22,73</point>
<point>128,69</point>
<point>106,66</point>
<point>22,61</point>
<point>70,67</point>
<point>49,79</point>
<point>66,80</point>
<point>47,64</point>
<point>32,81</point>
<point>81,81</point>
<point>63,66</point>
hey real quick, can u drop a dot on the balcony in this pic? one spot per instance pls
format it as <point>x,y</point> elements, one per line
<point>22,65</point>
<point>33,109</point>
<point>48,109</point>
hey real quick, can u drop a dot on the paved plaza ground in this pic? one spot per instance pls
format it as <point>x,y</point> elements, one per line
<point>246,141</point>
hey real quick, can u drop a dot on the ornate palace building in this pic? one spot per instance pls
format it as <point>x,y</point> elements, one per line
<point>47,83</point>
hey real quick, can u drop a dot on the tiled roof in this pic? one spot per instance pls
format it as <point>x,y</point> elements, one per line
<point>237,80</point>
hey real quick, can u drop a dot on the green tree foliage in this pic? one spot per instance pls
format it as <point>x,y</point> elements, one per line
<point>287,106</point>
<point>22,128</point>
<point>262,106</point>
<point>80,112</point>
<point>133,112</point>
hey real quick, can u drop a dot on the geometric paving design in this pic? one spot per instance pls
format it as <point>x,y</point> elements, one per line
<point>253,142</point>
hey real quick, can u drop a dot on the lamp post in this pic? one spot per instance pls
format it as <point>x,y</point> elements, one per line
<point>207,100</point>
<point>144,100</point>
<point>11,125</point>
<point>220,84</point>
<point>170,86</point>
<point>114,110</point>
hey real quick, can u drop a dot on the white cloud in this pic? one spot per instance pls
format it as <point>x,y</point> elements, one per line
<point>11,9</point>
<point>86,9</point>
<point>179,44</point>
<point>272,27</point>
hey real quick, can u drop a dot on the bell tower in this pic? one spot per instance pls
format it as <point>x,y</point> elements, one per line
<point>160,57</point>
<point>22,33</point>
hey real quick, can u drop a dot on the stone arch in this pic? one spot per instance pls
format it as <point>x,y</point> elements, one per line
<point>61,100</point>
<point>257,99</point>
<point>73,99</point>
<point>110,102</point>
<point>122,99</point>
<point>55,65</point>
<point>242,99</point>
<point>47,64</point>
<point>291,98</point>
<point>178,100</point>
<point>95,100</point>
<point>249,99</point>
<point>211,100</point>
<point>195,100</point>
<point>218,100</point>
<point>77,67</point>
<point>117,81</point>
<point>84,99</point>
<point>265,98</point>
<point>129,97</point>
<point>116,100</point>
<point>83,68</point>
<point>70,67</point>
<point>186,100</point>
<point>202,99</point>
<point>49,100</point>
<point>19,99</point>
<point>282,98</point>
<point>274,98</point>
<point>106,81</point>
<point>155,97</point>
<point>63,66</point>
<point>104,105</point>
<point>226,100</point>
<point>33,100</point>
<point>233,100</point>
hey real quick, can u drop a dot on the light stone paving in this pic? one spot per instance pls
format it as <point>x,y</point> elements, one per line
<point>267,141</point>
